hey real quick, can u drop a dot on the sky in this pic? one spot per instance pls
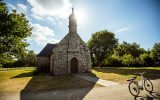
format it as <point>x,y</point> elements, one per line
<point>131,20</point>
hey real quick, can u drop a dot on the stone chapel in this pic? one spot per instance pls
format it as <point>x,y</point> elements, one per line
<point>69,56</point>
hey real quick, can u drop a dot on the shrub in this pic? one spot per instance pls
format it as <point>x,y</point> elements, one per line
<point>147,59</point>
<point>114,61</point>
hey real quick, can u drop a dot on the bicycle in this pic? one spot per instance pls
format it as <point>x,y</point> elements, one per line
<point>135,87</point>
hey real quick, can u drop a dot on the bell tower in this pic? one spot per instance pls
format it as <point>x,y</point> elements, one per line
<point>72,23</point>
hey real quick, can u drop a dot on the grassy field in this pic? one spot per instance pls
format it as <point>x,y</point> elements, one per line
<point>10,84</point>
<point>14,81</point>
<point>121,74</point>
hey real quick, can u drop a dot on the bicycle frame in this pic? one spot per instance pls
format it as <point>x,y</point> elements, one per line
<point>142,79</point>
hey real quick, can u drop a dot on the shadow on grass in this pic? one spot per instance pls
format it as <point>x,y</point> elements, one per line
<point>150,73</point>
<point>28,74</point>
<point>64,87</point>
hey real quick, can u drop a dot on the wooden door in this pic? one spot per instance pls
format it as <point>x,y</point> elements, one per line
<point>74,65</point>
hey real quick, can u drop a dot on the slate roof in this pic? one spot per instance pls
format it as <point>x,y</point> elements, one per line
<point>46,50</point>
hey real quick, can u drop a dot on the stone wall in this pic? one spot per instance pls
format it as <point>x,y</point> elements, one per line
<point>60,58</point>
<point>43,64</point>
<point>69,47</point>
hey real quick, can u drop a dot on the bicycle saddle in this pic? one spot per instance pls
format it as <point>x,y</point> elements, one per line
<point>133,78</point>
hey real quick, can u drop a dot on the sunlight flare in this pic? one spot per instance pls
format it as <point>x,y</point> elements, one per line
<point>80,16</point>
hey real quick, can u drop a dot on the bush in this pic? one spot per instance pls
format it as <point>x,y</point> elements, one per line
<point>1,66</point>
<point>127,60</point>
<point>8,65</point>
<point>114,61</point>
<point>147,59</point>
<point>35,72</point>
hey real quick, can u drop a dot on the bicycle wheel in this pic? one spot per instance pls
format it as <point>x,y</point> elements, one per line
<point>133,88</point>
<point>148,85</point>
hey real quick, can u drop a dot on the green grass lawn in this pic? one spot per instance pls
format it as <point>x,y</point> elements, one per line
<point>14,81</point>
<point>121,74</point>
<point>9,84</point>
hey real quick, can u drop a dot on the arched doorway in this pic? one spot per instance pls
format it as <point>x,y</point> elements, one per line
<point>74,65</point>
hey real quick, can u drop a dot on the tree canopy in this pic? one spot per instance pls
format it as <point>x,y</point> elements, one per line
<point>156,53</point>
<point>101,46</point>
<point>14,29</point>
<point>129,48</point>
<point>105,51</point>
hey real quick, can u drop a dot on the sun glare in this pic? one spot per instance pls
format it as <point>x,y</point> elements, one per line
<point>81,17</point>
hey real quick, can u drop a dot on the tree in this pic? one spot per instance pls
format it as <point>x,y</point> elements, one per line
<point>147,59</point>
<point>28,59</point>
<point>14,29</point>
<point>101,46</point>
<point>156,53</point>
<point>129,53</point>
<point>113,61</point>
<point>129,48</point>
<point>5,59</point>
<point>3,8</point>
<point>127,60</point>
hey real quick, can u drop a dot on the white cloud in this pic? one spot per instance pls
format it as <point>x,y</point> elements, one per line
<point>122,29</point>
<point>12,6</point>
<point>36,16</point>
<point>22,7</point>
<point>52,8</point>
<point>52,20</point>
<point>42,35</point>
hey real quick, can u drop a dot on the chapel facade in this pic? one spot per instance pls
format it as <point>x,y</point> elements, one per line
<point>71,55</point>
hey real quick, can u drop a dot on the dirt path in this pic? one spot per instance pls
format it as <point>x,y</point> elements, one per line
<point>97,80</point>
